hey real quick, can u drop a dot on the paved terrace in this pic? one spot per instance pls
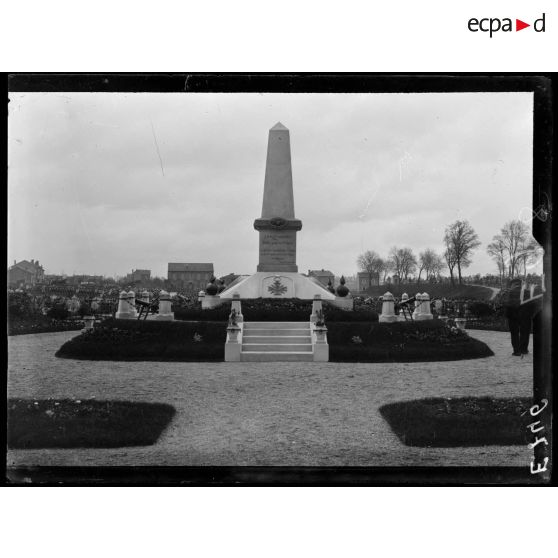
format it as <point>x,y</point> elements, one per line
<point>282,414</point>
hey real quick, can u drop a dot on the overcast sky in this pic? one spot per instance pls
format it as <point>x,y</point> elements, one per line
<point>103,183</point>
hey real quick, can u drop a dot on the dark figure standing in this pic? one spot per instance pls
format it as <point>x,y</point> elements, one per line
<point>519,316</point>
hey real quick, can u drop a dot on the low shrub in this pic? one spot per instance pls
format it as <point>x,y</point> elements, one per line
<point>460,422</point>
<point>275,310</point>
<point>425,341</point>
<point>149,340</point>
<point>67,423</point>
<point>41,324</point>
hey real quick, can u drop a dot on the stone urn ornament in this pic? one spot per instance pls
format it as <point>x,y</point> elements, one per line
<point>212,289</point>
<point>342,290</point>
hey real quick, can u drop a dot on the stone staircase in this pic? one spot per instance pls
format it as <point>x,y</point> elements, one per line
<point>276,341</point>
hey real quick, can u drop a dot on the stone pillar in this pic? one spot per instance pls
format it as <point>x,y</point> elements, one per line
<point>210,301</point>
<point>236,305</point>
<point>424,308</point>
<point>89,323</point>
<point>123,312</point>
<point>165,309</point>
<point>316,307</point>
<point>388,310</point>
<point>233,344</point>
<point>320,347</point>
<point>144,296</point>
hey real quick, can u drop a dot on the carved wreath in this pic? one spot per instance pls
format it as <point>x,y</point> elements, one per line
<point>277,288</point>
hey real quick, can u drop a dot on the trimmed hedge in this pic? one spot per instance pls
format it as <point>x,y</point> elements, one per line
<point>275,310</point>
<point>204,341</point>
<point>41,324</point>
<point>149,340</point>
<point>460,422</point>
<point>67,423</point>
<point>426,341</point>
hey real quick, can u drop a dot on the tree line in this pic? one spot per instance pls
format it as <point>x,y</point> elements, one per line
<point>513,250</point>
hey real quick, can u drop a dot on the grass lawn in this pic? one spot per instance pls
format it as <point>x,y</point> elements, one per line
<point>462,422</point>
<point>66,423</point>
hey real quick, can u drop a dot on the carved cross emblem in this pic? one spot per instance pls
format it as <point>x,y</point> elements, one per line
<point>277,288</point>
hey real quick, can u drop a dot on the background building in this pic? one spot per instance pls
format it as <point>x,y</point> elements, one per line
<point>25,273</point>
<point>364,280</point>
<point>139,275</point>
<point>189,276</point>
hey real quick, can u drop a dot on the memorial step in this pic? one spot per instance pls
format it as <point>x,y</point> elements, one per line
<point>277,347</point>
<point>277,338</point>
<point>276,325</point>
<point>269,356</point>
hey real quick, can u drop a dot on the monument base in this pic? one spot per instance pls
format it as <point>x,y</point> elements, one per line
<point>279,284</point>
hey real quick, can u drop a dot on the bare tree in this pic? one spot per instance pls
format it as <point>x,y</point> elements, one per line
<point>497,251</point>
<point>430,263</point>
<point>513,249</point>
<point>462,239</point>
<point>449,256</point>
<point>371,263</point>
<point>403,262</point>
<point>385,269</point>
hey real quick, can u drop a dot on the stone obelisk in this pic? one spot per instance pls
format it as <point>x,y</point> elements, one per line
<point>278,225</point>
<point>277,273</point>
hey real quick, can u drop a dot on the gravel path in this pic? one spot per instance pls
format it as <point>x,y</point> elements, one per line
<point>268,413</point>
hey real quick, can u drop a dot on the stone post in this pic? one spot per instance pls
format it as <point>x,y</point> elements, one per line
<point>165,309</point>
<point>320,346</point>
<point>89,323</point>
<point>144,296</point>
<point>201,296</point>
<point>233,344</point>
<point>388,310</point>
<point>236,305</point>
<point>424,308</point>
<point>316,307</point>
<point>210,301</point>
<point>123,312</point>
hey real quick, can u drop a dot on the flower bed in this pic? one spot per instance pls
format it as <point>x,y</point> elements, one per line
<point>426,341</point>
<point>149,340</point>
<point>41,324</point>
<point>67,423</point>
<point>468,421</point>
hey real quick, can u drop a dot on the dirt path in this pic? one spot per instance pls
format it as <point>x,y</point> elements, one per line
<point>268,413</point>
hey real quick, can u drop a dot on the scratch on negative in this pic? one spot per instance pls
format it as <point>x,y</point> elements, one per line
<point>157,147</point>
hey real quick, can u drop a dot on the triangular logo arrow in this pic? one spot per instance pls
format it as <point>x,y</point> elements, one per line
<point>519,25</point>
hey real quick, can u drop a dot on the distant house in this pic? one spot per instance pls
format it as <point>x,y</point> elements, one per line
<point>322,275</point>
<point>139,275</point>
<point>189,276</point>
<point>364,280</point>
<point>351,283</point>
<point>25,273</point>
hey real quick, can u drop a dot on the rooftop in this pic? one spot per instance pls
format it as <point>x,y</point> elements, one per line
<point>191,267</point>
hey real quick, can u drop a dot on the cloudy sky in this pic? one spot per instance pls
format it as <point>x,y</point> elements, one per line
<point>104,183</point>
